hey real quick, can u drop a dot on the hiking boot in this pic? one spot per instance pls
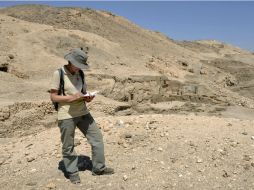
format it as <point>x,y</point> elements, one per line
<point>106,171</point>
<point>74,178</point>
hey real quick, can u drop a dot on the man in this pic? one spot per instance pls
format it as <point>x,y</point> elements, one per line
<point>72,113</point>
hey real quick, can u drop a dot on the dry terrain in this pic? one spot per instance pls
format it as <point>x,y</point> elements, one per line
<point>174,114</point>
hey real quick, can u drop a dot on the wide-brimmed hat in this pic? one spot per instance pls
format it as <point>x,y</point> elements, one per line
<point>78,58</point>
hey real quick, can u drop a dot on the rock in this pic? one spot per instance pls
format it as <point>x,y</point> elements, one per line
<point>185,64</point>
<point>160,149</point>
<point>30,159</point>
<point>244,133</point>
<point>16,170</point>
<point>147,126</point>
<point>225,174</point>
<point>125,177</point>
<point>252,137</point>
<point>152,127</point>
<point>246,157</point>
<point>127,135</point>
<point>51,185</point>
<point>222,152</point>
<point>33,170</point>
<point>120,141</point>
<point>199,160</point>
<point>130,141</point>
<point>125,145</point>
<point>234,144</point>
<point>191,143</point>
<point>162,163</point>
<point>29,145</point>
<point>203,72</point>
<point>11,56</point>
<point>119,123</point>
<point>4,114</point>
<point>173,160</point>
<point>2,160</point>
<point>106,129</point>
<point>201,170</point>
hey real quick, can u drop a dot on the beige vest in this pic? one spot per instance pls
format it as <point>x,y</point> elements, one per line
<point>72,85</point>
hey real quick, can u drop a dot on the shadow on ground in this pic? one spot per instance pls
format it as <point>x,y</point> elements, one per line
<point>84,163</point>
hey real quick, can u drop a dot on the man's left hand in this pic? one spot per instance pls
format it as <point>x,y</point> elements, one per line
<point>88,98</point>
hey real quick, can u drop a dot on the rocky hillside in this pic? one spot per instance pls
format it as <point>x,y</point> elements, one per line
<point>140,70</point>
<point>143,77</point>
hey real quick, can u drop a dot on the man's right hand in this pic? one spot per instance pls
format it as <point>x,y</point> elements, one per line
<point>69,98</point>
<point>75,97</point>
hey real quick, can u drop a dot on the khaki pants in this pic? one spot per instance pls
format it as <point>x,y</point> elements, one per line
<point>87,126</point>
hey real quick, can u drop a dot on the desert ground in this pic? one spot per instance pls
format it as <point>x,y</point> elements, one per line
<point>174,114</point>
